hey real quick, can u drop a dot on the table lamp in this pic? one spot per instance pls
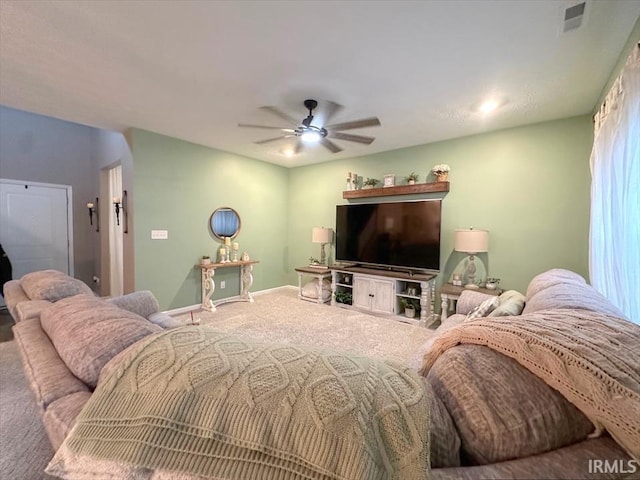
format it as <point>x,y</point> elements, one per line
<point>471,241</point>
<point>322,236</point>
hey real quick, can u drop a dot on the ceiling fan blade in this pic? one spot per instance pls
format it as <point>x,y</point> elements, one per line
<point>331,111</point>
<point>330,145</point>
<point>265,127</point>
<point>298,147</point>
<point>260,142</point>
<point>279,113</point>
<point>352,138</point>
<point>365,122</point>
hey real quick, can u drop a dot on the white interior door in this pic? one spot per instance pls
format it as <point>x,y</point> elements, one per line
<point>35,221</point>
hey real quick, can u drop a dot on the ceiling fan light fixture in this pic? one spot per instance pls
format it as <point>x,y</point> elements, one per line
<point>308,134</point>
<point>311,136</point>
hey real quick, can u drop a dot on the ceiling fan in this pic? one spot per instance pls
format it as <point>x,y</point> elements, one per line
<point>306,133</point>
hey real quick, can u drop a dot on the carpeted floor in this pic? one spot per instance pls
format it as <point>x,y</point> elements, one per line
<point>24,446</point>
<point>279,316</point>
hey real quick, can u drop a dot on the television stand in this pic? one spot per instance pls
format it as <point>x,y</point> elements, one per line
<point>384,292</point>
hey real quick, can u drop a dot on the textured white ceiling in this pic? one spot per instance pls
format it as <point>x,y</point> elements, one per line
<point>195,69</point>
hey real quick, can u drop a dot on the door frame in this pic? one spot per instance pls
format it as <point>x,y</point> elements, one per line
<point>69,190</point>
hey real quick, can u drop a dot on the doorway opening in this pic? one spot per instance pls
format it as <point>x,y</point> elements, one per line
<point>115,230</point>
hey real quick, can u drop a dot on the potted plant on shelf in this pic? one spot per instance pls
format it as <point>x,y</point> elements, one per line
<point>205,260</point>
<point>410,305</point>
<point>370,183</point>
<point>314,262</point>
<point>344,297</point>
<point>441,172</point>
<point>412,178</point>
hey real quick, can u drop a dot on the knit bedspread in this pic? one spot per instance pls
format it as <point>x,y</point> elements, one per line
<point>590,358</point>
<point>208,403</point>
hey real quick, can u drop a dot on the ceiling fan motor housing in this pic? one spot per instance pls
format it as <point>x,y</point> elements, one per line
<point>310,104</point>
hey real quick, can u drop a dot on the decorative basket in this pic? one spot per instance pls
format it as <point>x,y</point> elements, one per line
<point>442,177</point>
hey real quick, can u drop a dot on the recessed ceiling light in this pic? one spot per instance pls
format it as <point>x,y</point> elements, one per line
<point>487,107</point>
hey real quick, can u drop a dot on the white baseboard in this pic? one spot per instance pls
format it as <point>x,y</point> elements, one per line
<point>274,289</point>
<point>191,308</point>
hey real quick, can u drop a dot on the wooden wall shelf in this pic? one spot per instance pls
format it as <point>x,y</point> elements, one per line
<point>397,190</point>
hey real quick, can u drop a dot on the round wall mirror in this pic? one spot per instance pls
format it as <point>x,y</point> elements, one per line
<point>225,222</point>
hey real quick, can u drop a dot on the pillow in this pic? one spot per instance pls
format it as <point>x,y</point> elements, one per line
<point>52,285</point>
<point>470,299</point>
<point>483,309</point>
<point>310,290</point>
<point>501,410</point>
<point>142,302</point>
<point>164,320</point>
<point>511,302</point>
<point>87,332</point>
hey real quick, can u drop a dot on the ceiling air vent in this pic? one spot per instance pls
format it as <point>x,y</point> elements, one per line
<point>573,16</point>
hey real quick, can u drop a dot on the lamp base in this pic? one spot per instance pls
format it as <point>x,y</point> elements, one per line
<point>471,286</point>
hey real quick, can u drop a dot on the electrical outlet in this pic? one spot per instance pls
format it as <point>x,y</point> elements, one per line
<point>223,284</point>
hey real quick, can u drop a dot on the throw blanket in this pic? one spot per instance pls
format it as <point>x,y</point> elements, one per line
<point>208,403</point>
<point>591,358</point>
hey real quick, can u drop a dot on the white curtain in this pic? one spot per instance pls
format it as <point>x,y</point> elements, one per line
<point>614,244</point>
<point>115,233</point>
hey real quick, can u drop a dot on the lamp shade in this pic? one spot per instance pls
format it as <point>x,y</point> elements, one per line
<point>321,235</point>
<point>471,240</point>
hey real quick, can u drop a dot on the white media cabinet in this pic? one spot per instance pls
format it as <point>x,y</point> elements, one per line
<point>380,291</point>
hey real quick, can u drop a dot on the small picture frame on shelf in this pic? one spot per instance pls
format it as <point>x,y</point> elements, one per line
<point>389,180</point>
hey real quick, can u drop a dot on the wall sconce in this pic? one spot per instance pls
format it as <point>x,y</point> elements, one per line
<point>93,209</point>
<point>117,203</point>
<point>121,204</point>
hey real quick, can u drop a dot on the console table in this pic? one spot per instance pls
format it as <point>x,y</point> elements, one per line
<point>319,274</point>
<point>449,295</point>
<point>209,285</point>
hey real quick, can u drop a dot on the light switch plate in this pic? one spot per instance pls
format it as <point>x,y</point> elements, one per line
<point>159,234</point>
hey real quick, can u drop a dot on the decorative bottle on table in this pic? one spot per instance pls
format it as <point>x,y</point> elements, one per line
<point>227,249</point>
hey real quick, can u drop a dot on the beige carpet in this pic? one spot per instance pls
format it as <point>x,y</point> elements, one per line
<point>279,316</point>
<point>24,446</point>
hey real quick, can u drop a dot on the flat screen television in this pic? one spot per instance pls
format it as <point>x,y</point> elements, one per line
<point>393,234</point>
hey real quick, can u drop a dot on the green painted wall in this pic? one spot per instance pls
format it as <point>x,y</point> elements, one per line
<point>529,186</point>
<point>177,185</point>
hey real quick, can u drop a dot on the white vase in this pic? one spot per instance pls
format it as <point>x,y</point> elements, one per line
<point>409,312</point>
